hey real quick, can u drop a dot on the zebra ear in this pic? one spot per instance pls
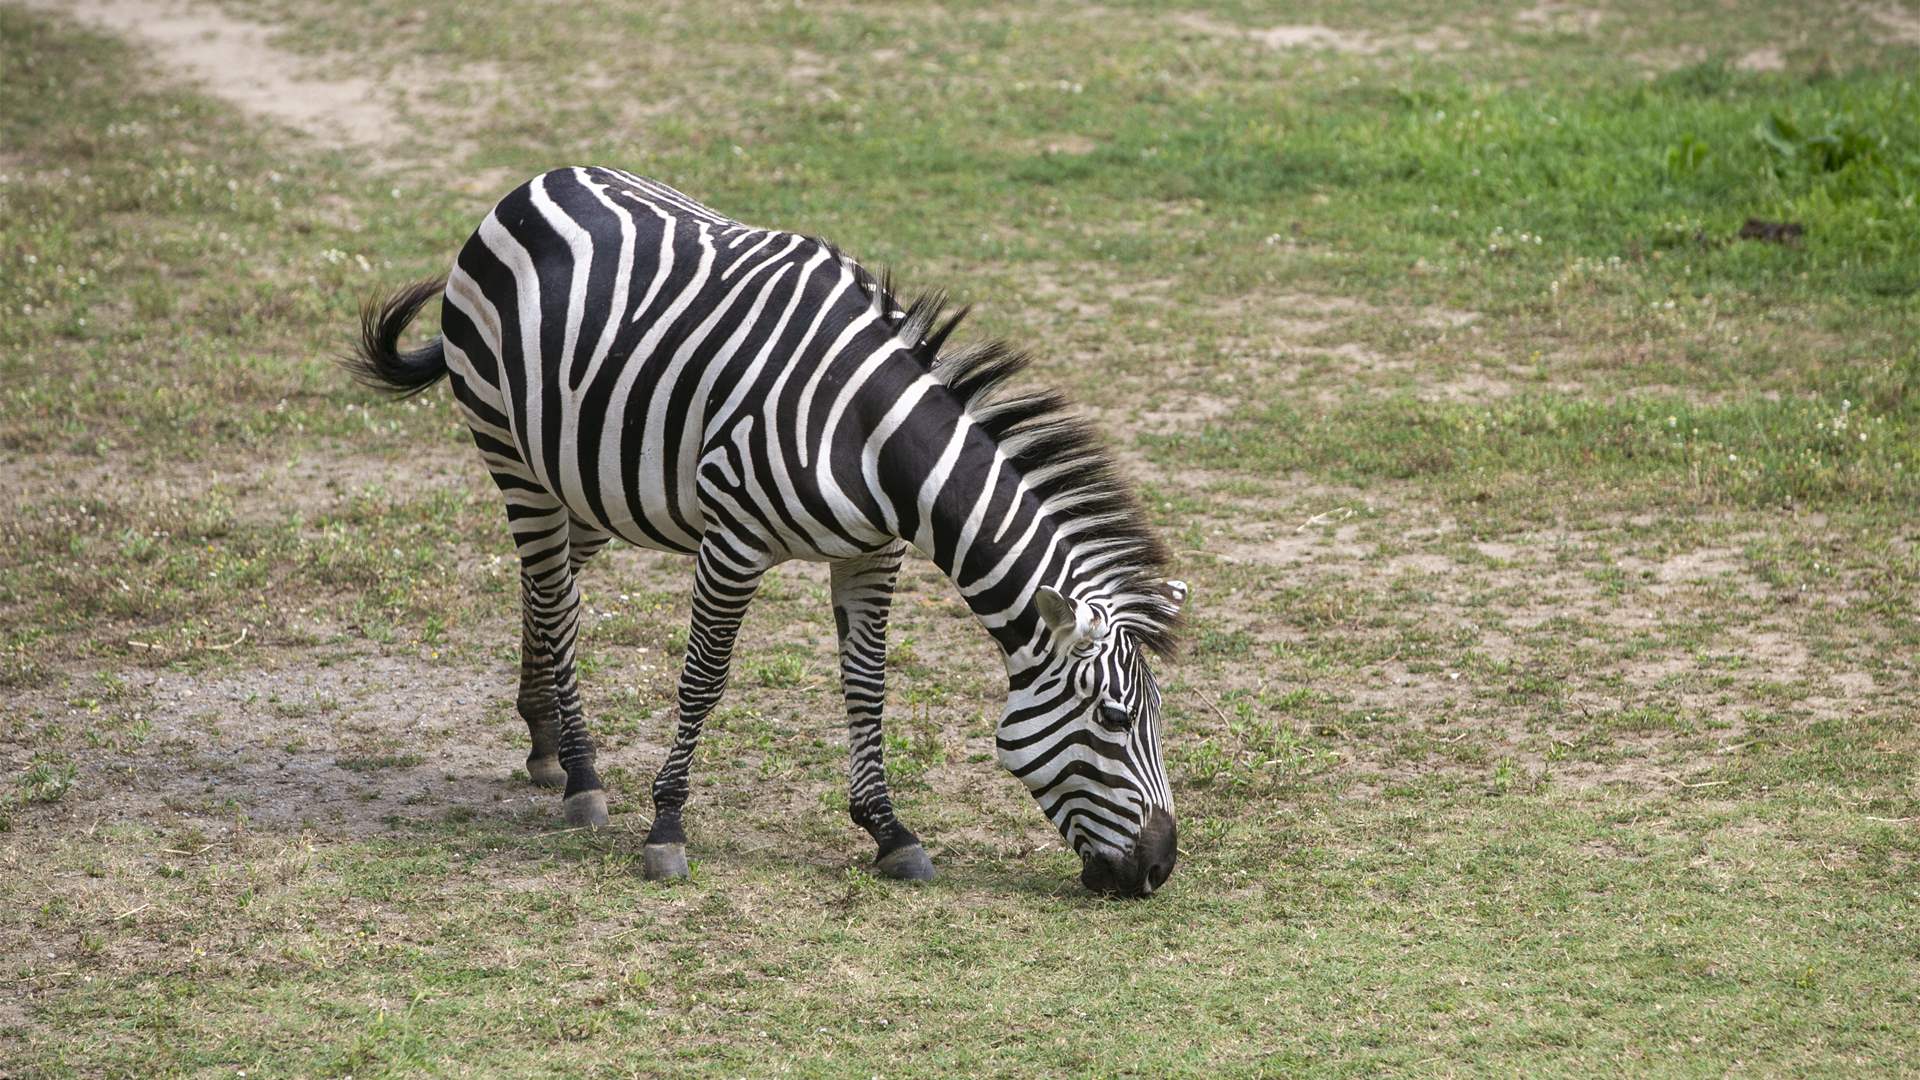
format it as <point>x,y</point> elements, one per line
<point>1070,623</point>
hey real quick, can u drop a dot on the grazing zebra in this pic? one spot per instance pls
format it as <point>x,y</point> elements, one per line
<point>634,365</point>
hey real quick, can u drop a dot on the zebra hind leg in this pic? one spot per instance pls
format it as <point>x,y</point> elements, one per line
<point>537,703</point>
<point>550,616</point>
<point>726,575</point>
<point>536,706</point>
<point>862,598</point>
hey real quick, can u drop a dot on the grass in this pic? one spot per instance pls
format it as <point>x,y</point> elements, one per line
<point>1549,705</point>
<point>1639,451</point>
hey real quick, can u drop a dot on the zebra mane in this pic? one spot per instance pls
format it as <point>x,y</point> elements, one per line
<point>1062,457</point>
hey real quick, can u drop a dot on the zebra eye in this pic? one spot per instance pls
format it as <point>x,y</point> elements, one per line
<point>1115,718</point>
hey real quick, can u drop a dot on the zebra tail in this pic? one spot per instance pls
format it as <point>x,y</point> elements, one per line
<point>376,360</point>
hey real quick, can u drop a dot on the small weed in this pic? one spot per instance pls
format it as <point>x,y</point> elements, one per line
<point>783,671</point>
<point>1504,772</point>
<point>860,887</point>
<point>47,780</point>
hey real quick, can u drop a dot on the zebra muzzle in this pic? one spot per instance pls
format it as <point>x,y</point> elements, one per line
<point>1142,868</point>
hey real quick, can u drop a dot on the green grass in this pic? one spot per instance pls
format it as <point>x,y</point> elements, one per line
<point>1549,705</point>
<point>1639,451</point>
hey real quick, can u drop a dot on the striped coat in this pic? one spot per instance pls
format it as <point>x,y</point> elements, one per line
<point>634,365</point>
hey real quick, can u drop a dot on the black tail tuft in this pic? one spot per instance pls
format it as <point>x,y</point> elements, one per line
<point>377,361</point>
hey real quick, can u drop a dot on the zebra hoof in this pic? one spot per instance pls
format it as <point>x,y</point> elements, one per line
<point>908,863</point>
<point>664,862</point>
<point>546,771</point>
<point>587,809</point>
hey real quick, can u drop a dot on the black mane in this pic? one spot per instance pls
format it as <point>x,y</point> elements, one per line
<point>1058,452</point>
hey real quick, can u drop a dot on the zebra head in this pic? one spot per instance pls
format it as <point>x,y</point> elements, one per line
<point>1082,731</point>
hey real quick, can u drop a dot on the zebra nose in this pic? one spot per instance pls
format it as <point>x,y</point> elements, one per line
<point>1145,866</point>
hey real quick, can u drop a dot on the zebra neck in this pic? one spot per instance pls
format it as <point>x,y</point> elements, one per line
<point>1005,493</point>
<point>998,542</point>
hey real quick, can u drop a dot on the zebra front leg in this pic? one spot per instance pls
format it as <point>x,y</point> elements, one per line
<point>726,575</point>
<point>536,702</point>
<point>862,597</point>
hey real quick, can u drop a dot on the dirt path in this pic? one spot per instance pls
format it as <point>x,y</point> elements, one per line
<point>237,61</point>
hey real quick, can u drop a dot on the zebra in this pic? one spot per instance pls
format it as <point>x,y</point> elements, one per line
<point>634,365</point>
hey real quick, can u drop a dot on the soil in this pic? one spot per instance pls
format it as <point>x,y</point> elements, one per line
<point>1899,23</point>
<point>237,61</point>
<point>1312,36</point>
<point>1561,18</point>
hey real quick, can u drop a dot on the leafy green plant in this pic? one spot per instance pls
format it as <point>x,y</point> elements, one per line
<point>1840,144</point>
<point>48,780</point>
<point>788,669</point>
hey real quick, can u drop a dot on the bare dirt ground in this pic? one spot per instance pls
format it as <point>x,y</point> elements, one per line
<point>401,115</point>
<point>236,60</point>
<point>1309,36</point>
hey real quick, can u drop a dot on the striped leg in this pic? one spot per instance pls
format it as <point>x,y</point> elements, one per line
<point>537,702</point>
<point>862,596</point>
<point>726,575</point>
<point>550,621</point>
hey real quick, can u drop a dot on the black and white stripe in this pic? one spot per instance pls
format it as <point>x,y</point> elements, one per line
<point>634,365</point>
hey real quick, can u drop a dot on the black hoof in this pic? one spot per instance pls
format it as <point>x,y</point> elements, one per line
<point>908,863</point>
<point>587,809</point>
<point>664,862</point>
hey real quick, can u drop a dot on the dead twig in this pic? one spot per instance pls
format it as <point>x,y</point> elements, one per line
<point>1338,513</point>
<point>150,646</point>
<point>45,975</point>
<point>1211,704</point>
